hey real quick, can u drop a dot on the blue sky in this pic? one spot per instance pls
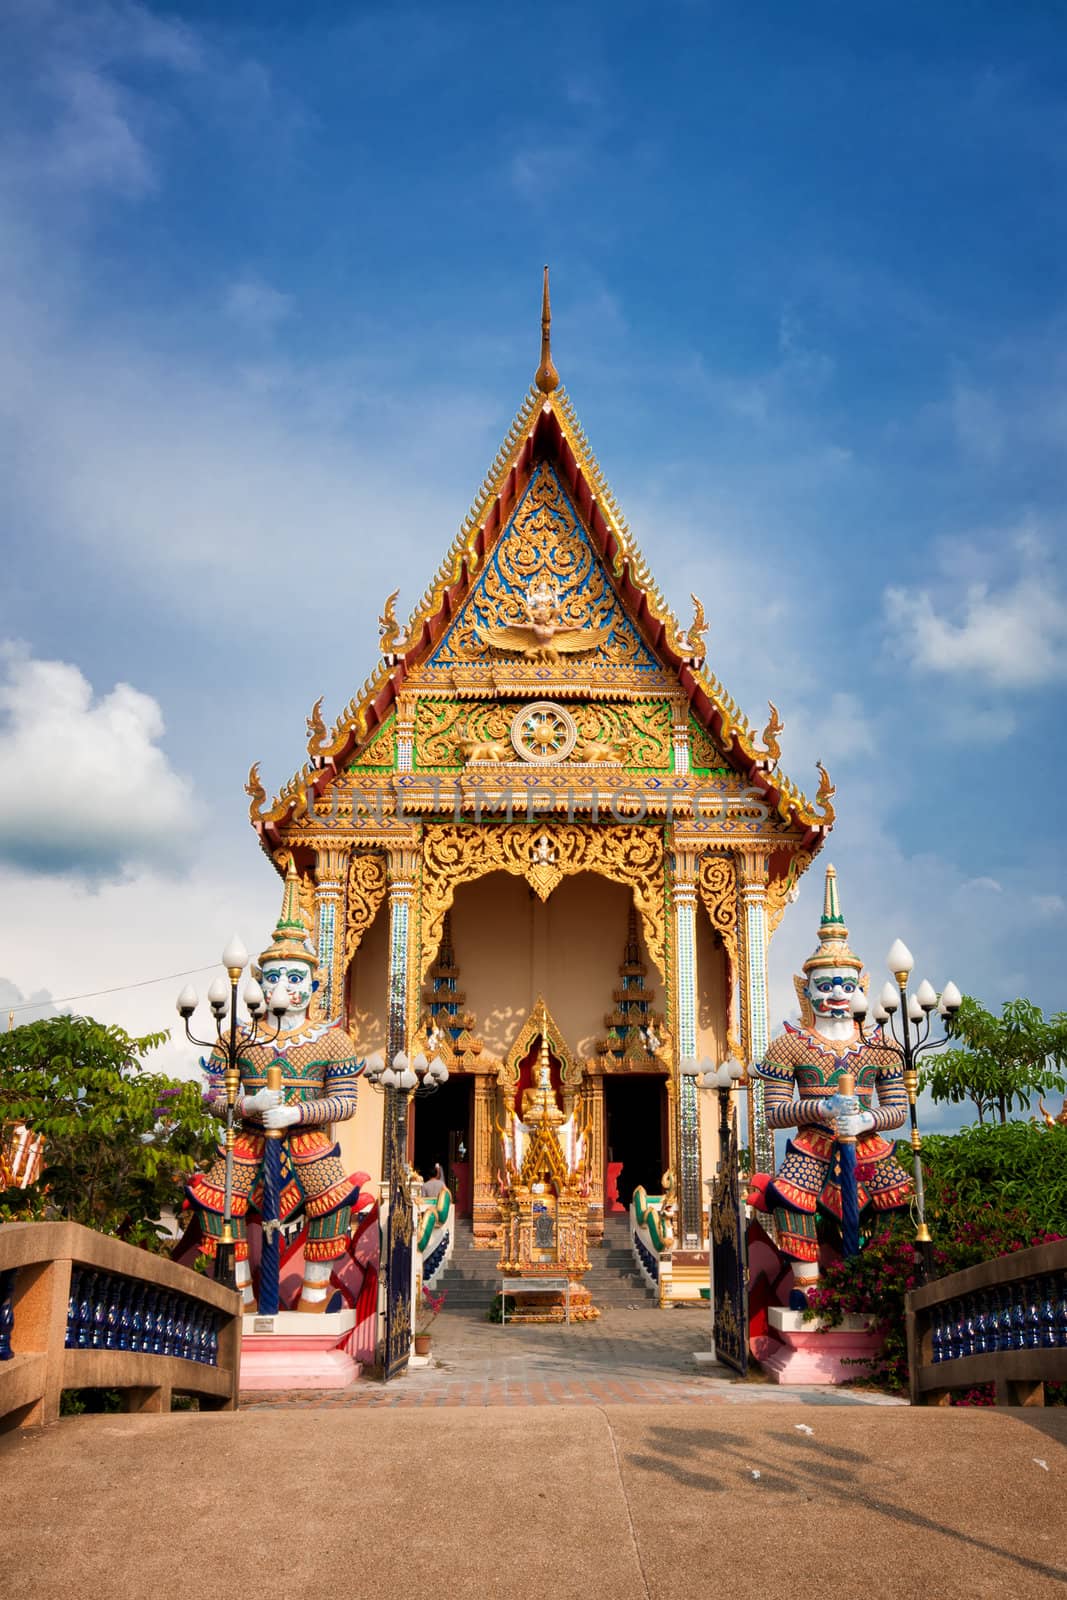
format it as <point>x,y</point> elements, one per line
<point>269,283</point>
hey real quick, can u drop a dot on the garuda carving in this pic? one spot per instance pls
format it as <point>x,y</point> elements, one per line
<point>543,637</point>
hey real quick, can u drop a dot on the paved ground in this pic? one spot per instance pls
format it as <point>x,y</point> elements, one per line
<point>557,1502</point>
<point>634,1357</point>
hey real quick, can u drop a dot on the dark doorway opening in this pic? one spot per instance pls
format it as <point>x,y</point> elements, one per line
<point>443,1134</point>
<point>635,1115</point>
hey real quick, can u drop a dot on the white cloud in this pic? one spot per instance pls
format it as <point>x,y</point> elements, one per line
<point>978,422</point>
<point>84,784</point>
<point>94,143</point>
<point>1009,636</point>
<point>257,305</point>
<point>121,944</point>
<point>92,128</point>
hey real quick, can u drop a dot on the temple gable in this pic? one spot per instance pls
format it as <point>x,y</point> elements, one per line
<point>544,551</point>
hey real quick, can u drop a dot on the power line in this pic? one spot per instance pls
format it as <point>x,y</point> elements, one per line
<point>145,983</point>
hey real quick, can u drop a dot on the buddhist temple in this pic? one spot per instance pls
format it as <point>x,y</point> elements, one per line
<point>542,838</point>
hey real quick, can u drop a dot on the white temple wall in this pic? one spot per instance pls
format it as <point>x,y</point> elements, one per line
<point>711,1034</point>
<point>368,988</point>
<point>511,947</point>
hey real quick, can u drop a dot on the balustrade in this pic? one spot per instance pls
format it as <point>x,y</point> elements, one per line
<point>1002,1322</point>
<point>81,1310</point>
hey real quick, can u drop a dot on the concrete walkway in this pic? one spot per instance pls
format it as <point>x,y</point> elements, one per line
<point>629,1357</point>
<point>635,1502</point>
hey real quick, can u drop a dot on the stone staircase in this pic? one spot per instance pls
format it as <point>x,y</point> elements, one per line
<point>472,1277</point>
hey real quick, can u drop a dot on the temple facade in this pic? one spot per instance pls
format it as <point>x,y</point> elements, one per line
<point>543,827</point>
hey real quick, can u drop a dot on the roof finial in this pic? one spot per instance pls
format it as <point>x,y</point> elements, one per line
<point>546,378</point>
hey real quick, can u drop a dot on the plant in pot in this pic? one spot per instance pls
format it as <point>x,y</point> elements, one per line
<point>429,1312</point>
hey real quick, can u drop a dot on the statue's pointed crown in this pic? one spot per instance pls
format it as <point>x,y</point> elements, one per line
<point>291,941</point>
<point>833,948</point>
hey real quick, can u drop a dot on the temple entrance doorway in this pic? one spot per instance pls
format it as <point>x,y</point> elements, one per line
<point>635,1134</point>
<point>443,1128</point>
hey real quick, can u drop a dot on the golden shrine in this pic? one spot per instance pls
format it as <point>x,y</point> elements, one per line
<point>543,830</point>
<point>544,1197</point>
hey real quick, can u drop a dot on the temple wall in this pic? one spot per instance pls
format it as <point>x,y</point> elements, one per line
<point>368,989</point>
<point>711,1036</point>
<point>512,947</point>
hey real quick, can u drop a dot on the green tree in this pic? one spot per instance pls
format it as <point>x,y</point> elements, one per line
<point>118,1138</point>
<point>1001,1062</point>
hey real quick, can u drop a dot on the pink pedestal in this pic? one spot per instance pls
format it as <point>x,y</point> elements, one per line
<point>295,1351</point>
<point>796,1351</point>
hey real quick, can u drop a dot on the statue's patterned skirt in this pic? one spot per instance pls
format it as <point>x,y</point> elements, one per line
<point>810,1177</point>
<point>313,1179</point>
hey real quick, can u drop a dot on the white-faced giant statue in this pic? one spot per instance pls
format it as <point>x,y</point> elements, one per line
<point>802,1071</point>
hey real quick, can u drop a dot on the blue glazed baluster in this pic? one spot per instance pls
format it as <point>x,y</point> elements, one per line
<point>168,1326</point>
<point>1061,1311</point>
<point>181,1330</point>
<point>125,1317</point>
<point>7,1312</point>
<point>980,1326</point>
<point>100,1291</point>
<point>73,1299</point>
<point>85,1310</point>
<point>1032,1319</point>
<point>114,1313</point>
<point>213,1342</point>
<point>1048,1314</point>
<point>1000,1317</point>
<point>967,1330</point>
<point>937,1337</point>
<point>137,1319</point>
<point>952,1337</point>
<point>149,1345</point>
<point>1018,1318</point>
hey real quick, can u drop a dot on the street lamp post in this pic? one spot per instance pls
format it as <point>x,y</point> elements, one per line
<point>722,1078</point>
<point>230,1038</point>
<point>913,1041</point>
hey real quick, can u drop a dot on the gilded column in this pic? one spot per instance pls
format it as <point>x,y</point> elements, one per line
<point>486,1214</point>
<point>331,863</point>
<point>755,1023</point>
<point>687,1172</point>
<point>400,879</point>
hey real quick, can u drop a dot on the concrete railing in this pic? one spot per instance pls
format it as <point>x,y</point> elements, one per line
<point>1003,1322</point>
<point>80,1310</point>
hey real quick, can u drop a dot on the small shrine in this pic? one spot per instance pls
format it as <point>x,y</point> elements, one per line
<point>543,796</point>
<point>544,1196</point>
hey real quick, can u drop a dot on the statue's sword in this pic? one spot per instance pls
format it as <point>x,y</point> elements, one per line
<point>846,1158</point>
<point>270,1260</point>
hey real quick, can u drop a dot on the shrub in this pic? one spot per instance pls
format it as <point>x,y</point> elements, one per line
<point>989,1190</point>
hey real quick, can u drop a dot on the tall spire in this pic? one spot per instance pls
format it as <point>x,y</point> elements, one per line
<point>290,941</point>
<point>831,906</point>
<point>833,948</point>
<point>546,378</point>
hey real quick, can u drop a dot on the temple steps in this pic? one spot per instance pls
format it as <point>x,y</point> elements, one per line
<point>472,1277</point>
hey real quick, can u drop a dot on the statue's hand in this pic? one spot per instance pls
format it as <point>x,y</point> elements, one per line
<point>254,1105</point>
<point>850,1125</point>
<point>281,1117</point>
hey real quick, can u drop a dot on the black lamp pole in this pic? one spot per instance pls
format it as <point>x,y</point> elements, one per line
<point>229,1041</point>
<point>913,1041</point>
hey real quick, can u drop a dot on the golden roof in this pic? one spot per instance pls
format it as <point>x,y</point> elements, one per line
<point>546,427</point>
